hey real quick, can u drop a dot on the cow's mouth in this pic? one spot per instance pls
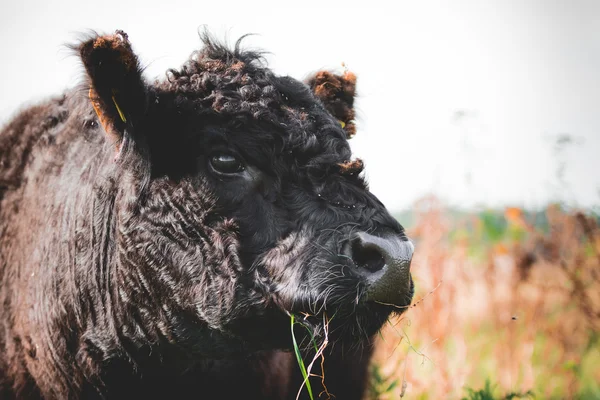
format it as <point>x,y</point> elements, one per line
<point>345,296</point>
<point>348,325</point>
<point>380,286</point>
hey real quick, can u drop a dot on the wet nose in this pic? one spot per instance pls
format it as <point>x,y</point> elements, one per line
<point>384,262</point>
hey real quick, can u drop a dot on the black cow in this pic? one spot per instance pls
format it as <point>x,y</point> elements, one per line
<point>157,239</point>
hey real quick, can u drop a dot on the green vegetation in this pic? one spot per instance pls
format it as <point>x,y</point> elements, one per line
<point>380,386</point>
<point>299,356</point>
<point>488,393</point>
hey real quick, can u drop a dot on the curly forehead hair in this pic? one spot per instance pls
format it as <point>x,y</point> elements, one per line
<point>233,81</point>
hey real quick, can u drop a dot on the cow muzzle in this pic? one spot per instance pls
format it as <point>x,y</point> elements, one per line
<point>384,263</point>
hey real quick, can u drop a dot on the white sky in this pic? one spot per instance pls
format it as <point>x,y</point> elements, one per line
<point>522,72</point>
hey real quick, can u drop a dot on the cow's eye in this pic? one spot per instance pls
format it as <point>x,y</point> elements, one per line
<point>226,164</point>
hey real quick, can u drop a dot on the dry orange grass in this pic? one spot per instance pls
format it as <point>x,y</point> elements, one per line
<point>525,315</point>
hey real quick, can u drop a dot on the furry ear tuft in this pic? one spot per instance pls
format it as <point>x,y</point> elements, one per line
<point>117,89</point>
<point>337,93</point>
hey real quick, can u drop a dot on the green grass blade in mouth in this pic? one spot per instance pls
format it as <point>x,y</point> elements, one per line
<point>299,357</point>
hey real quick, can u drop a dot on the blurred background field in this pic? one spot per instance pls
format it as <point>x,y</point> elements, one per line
<point>507,305</point>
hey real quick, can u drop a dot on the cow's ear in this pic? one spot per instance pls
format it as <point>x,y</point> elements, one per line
<point>116,87</point>
<point>337,93</point>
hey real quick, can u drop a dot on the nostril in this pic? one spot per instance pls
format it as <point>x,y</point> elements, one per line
<point>369,258</point>
<point>384,263</point>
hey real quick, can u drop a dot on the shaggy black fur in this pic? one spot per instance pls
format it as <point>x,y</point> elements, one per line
<point>132,267</point>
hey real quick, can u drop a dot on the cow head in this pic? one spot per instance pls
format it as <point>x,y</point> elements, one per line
<point>239,204</point>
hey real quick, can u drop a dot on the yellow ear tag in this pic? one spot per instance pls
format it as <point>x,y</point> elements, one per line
<point>119,110</point>
<point>342,123</point>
